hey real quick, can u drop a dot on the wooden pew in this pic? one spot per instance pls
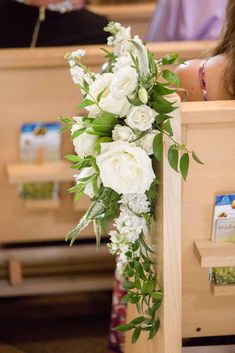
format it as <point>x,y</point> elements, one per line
<point>36,86</point>
<point>209,129</point>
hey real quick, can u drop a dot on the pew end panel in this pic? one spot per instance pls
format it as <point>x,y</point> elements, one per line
<point>209,129</point>
<point>166,238</point>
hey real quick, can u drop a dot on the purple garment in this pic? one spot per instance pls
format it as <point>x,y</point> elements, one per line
<point>186,20</point>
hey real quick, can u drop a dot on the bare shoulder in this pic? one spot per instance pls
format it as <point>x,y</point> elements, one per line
<point>189,79</point>
<point>214,76</point>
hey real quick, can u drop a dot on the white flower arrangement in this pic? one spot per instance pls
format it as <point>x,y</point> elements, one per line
<point>129,108</point>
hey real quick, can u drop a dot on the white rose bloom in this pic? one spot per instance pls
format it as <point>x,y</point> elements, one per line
<point>141,117</point>
<point>107,102</point>
<point>125,168</point>
<point>146,142</point>
<point>123,133</point>
<point>85,143</point>
<point>124,82</point>
<point>122,62</point>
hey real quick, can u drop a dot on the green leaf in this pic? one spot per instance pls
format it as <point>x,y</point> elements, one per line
<point>101,94</point>
<point>79,194</point>
<point>124,327</point>
<point>167,127</point>
<point>85,103</point>
<point>105,122</point>
<point>184,164</point>
<point>154,329</point>
<point>171,77</point>
<point>158,146</point>
<point>173,157</point>
<point>135,335</point>
<point>162,109</point>
<point>128,285</point>
<point>139,269</point>
<point>196,158</point>
<point>162,117</point>
<point>157,295</point>
<point>163,91</point>
<point>126,298</point>
<point>169,59</point>
<point>78,133</point>
<point>72,158</point>
<point>151,284</point>
<point>134,101</point>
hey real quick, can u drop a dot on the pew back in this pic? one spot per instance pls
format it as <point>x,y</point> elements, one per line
<point>209,129</point>
<point>36,86</point>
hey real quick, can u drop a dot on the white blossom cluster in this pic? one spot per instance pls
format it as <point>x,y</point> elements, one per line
<point>129,226</point>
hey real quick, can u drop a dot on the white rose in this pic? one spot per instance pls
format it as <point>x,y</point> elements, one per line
<point>85,143</point>
<point>125,168</point>
<point>107,102</point>
<point>124,83</point>
<point>146,142</point>
<point>123,133</point>
<point>141,117</point>
<point>86,172</point>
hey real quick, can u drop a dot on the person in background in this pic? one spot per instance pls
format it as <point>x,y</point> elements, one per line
<point>175,20</point>
<point>30,23</point>
<point>213,78</point>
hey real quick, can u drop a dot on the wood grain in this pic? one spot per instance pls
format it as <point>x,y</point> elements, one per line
<point>215,254</point>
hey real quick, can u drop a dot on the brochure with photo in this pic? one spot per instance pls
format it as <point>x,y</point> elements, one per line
<point>39,143</point>
<point>223,230</point>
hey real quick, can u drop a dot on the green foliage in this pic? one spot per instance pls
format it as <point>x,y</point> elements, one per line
<point>173,157</point>
<point>158,146</point>
<point>184,164</point>
<point>104,123</point>
<point>143,291</point>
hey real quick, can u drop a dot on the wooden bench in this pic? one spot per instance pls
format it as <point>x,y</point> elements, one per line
<point>209,129</point>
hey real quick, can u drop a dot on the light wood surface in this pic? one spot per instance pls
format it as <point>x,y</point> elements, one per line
<point>166,236</point>
<point>58,284</point>
<point>223,290</point>
<point>59,171</point>
<point>215,254</point>
<point>42,205</point>
<point>209,130</point>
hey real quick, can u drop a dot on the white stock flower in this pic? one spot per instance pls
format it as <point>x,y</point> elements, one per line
<point>86,172</point>
<point>121,62</point>
<point>107,102</point>
<point>125,168</point>
<point>124,82</point>
<point>146,142</point>
<point>78,75</point>
<point>123,133</point>
<point>85,143</point>
<point>138,203</point>
<point>130,225</point>
<point>141,117</point>
<point>77,54</point>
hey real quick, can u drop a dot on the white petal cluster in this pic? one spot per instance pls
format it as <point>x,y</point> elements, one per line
<point>86,172</point>
<point>146,142</point>
<point>123,133</point>
<point>129,228</point>
<point>141,117</point>
<point>138,203</point>
<point>85,143</point>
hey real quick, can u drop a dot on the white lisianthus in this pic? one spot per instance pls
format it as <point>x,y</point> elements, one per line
<point>85,143</point>
<point>86,172</point>
<point>123,133</point>
<point>124,82</point>
<point>125,168</point>
<point>78,54</point>
<point>141,117</point>
<point>121,62</point>
<point>107,102</point>
<point>146,142</point>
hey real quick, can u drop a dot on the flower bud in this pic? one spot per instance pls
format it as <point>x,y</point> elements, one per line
<point>143,95</point>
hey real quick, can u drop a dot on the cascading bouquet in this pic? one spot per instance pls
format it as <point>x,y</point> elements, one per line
<point>128,112</point>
